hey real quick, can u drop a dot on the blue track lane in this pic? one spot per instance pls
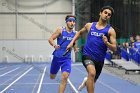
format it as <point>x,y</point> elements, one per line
<point>34,78</point>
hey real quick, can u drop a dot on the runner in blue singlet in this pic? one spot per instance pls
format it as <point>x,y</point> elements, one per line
<point>64,36</point>
<point>100,37</point>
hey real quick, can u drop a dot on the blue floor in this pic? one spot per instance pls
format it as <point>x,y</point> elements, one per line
<point>34,78</point>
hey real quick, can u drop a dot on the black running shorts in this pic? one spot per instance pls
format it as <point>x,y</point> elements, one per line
<point>86,60</point>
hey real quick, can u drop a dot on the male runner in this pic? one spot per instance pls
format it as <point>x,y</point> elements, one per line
<point>100,37</point>
<point>64,36</point>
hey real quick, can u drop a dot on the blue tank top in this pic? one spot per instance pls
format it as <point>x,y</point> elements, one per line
<point>63,40</point>
<point>95,47</point>
<point>137,45</point>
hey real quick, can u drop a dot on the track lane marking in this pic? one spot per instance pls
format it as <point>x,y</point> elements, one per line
<point>106,85</point>
<point>39,88</point>
<point>9,71</point>
<point>16,80</point>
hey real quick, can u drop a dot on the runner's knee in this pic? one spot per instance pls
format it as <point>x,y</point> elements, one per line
<point>65,75</point>
<point>92,74</point>
<point>91,71</point>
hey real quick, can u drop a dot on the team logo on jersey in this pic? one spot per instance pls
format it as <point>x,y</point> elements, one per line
<point>97,34</point>
<point>68,38</point>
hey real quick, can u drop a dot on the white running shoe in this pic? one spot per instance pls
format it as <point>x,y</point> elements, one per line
<point>83,84</point>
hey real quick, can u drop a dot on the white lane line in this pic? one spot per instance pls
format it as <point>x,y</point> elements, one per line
<point>35,83</point>
<point>14,76</point>
<point>9,72</point>
<point>72,86</point>
<point>3,68</point>
<point>106,85</point>
<point>16,80</point>
<point>111,88</point>
<point>39,88</point>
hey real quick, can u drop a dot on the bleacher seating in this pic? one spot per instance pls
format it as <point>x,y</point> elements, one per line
<point>129,61</point>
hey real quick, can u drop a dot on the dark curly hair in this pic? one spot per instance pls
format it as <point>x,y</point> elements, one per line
<point>107,7</point>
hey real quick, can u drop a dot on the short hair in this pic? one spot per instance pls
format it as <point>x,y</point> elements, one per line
<point>70,16</point>
<point>107,7</point>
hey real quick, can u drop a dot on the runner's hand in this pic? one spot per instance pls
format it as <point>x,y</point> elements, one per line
<point>57,46</point>
<point>69,46</point>
<point>105,40</point>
